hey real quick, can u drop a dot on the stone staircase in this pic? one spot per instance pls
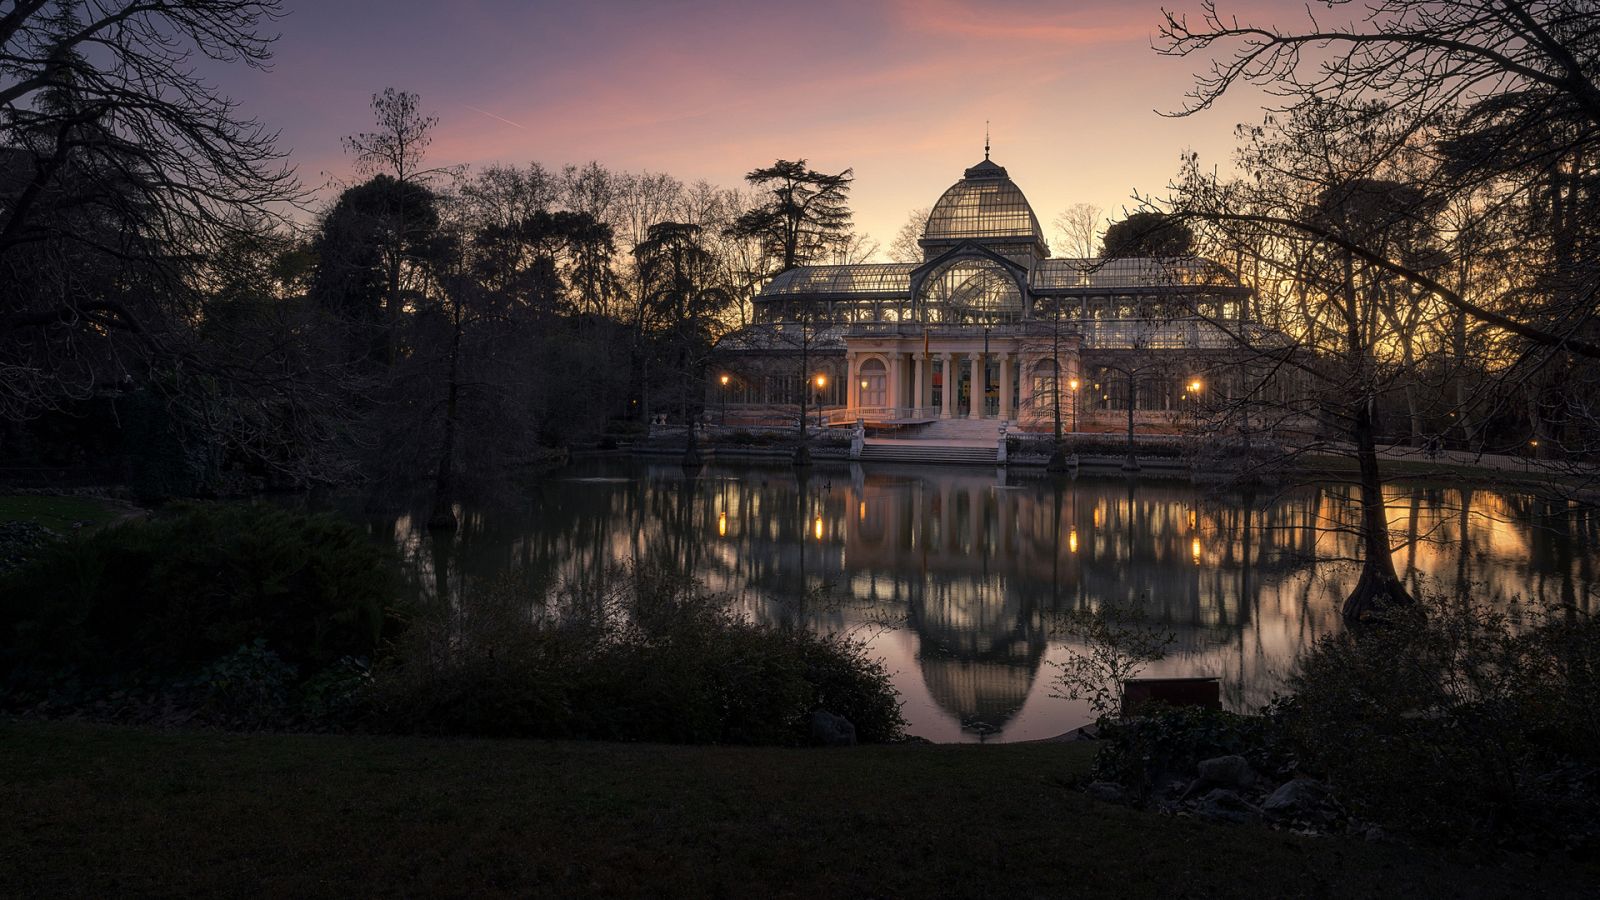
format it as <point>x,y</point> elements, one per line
<point>964,431</point>
<point>928,453</point>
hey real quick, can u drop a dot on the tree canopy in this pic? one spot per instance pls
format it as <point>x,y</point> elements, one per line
<point>805,214</point>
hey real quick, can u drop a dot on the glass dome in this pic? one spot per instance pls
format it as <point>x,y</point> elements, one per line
<point>984,205</point>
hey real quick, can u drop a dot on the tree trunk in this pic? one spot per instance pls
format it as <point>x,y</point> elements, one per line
<point>802,453</point>
<point>1131,464</point>
<point>443,516</point>
<point>1379,587</point>
<point>1413,410</point>
<point>691,449</point>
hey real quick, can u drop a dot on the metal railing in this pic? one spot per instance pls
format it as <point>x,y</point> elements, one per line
<point>846,415</point>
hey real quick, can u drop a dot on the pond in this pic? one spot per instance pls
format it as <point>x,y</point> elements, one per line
<point>956,577</point>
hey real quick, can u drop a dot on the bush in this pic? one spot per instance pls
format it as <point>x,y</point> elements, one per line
<point>248,688</point>
<point>645,656</point>
<point>1448,720</point>
<point>178,592</point>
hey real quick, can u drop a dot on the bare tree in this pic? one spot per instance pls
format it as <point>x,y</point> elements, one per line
<point>855,247</point>
<point>1078,229</point>
<point>118,165</point>
<point>905,248</point>
<point>1519,81</point>
<point>1478,123</point>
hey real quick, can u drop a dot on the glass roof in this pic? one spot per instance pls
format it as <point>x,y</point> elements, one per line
<point>1126,273</point>
<point>984,204</point>
<point>860,280</point>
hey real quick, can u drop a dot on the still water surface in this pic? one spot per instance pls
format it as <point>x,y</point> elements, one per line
<point>955,576</point>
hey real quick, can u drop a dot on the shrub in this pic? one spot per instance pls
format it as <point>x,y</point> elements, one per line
<point>646,655</point>
<point>180,591</point>
<point>1449,719</point>
<point>249,687</point>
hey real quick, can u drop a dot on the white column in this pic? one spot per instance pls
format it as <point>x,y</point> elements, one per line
<point>1025,372</point>
<point>975,390</point>
<point>947,400</point>
<point>852,390</point>
<point>891,394</point>
<point>1005,385</point>
<point>917,382</point>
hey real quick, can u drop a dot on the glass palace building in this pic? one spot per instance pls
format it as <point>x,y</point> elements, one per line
<point>987,326</point>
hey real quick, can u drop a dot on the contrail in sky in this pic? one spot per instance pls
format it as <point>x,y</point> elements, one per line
<point>492,115</point>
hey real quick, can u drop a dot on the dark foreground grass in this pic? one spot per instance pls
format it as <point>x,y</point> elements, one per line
<point>59,513</point>
<point>100,811</point>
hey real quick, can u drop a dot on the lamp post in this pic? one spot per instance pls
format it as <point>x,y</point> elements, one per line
<point>822,382</point>
<point>724,398</point>
<point>1195,386</point>
<point>1072,386</point>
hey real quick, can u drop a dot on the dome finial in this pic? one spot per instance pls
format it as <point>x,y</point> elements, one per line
<point>985,138</point>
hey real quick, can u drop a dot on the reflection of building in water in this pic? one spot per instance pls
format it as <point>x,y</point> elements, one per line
<point>976,569</point>
<point>980,648</point>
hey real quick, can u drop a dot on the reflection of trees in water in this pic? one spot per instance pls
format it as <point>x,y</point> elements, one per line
<point>976,568</point>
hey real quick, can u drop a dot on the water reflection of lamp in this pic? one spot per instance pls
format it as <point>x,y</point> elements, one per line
<point>1072,541</point>
<point>818,528</point>
<point>1194,549</point>
<point>722,524</point>
<point>861,511</point>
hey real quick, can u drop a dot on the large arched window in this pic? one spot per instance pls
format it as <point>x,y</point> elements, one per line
<point>971,291</point>
<point>874,383</point>
<point>1044,381</point>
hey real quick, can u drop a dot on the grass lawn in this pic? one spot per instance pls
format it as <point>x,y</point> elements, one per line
<point>102,811</point>
<point>59,513</point>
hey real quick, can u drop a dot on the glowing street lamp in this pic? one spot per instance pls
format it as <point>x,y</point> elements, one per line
<point>1072,385</point>
<point>822,382</point>
<point>725,379</point>
<point>1195,386</point>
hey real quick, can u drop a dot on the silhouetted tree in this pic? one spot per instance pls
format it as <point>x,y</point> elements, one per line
<point>806,213</point>
<point>119,168</point>
<point>1147,234</point>
<point>681,287</point>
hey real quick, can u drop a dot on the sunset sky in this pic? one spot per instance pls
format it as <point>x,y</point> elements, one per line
<point>897,90</point>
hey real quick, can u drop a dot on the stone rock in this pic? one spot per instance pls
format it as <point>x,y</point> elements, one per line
<point>1226,807</point>
<point>1302,797</point>
<point>829,730</point>
<point>1168,786</point>
<point>1106,791</point>
<point>1227,771</point>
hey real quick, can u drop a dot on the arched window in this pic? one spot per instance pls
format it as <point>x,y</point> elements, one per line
<point>971,290</point>
<point>1044,381</point>
<point>874,383</point>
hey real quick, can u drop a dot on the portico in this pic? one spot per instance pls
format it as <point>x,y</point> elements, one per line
<point>914,374</point>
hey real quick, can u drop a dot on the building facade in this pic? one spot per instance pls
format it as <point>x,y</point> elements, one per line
<point>987,326</point>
